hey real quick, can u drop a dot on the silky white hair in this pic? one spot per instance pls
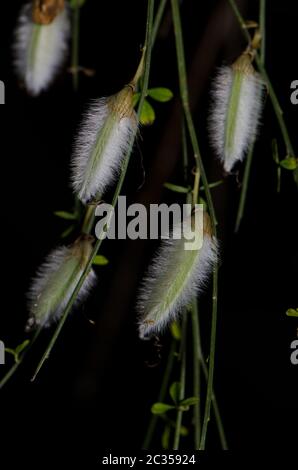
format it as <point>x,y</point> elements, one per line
<point>88,183</point>
<point>50,43</point>
<point>157,303</point>
<point>249,107</point>
<point>60,272</point>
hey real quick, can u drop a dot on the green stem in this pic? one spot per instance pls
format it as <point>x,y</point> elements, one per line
<point>162,395</point>
<point>196,373</point>
<point>218,419</point>
<point>88,220</point>
<point>244,188</point>
<point>273,97</point>
<point>157,19</point>
<point>262,24</point>
<point>148,44</point>
<point>15,366</point>
<point>200,166</point>
<point>211,360</point>
<point>75,45</point>
<point>182,358</point>
<point>186,108</point>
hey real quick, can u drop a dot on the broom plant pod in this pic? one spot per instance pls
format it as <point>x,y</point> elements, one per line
<point>108,129</point>
<point>56,280</point>
<point>41,44</point>
<point>175,276</point>
<point>236,109</point>
<point>107,133</point>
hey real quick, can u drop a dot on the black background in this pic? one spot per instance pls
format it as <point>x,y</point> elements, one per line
<point>96,390</point>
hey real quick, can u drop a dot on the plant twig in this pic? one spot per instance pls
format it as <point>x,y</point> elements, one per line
<point>148,46</point>
<point>196,373</point>
<point>200,166</point>
<point>273,97</point>
<point>16,365</point>
<point>245,182</point>
<point>182,359</point>
<point>162,394</point>
<point>75,45</point>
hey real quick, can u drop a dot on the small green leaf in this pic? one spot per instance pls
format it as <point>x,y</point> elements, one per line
<point>175,391</point>
<point>147,114</point>
<point>12,352</point>
<point>213,185</point>
<point>165,438</point>
<point>184,431</point>
<point>289,163</point>
<point>203,201</point>
<point>100,260</point>
<point>189,401</point>
<point>176,188</point>
<point>76,3</point>
<point>65,215</point>
<point>176,331</point>
<point>160,94</point>
<point>135,99</point>
<point>21,347</point>
<point>68,231</point>
<point>161,408</point>
<point>291,312</point>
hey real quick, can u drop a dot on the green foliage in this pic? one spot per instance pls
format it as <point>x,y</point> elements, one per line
<point>68,231</point>
<point>176,330</point>
<point>289,163</point>
<point>66,215</point>
<point>292,312</point>
<point>159,94</point>
<point>176,188</point>
<point>147,116</point>
<point>175,392</point>
<point>18,350</point>
<point>189,402</point>
<point>100,260</point>
<point>161,408</point>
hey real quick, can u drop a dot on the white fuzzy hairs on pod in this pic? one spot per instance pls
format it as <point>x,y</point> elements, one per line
<point>54,284</point>
<point>102,143</point>
<point>160,301</point>
<point>236,109</point>
<point>40,49</point>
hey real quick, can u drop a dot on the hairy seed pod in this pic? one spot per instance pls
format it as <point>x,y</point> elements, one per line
<point>236,110</point>
<point>108,129</point>
<point>56,281</point>
<point>175,276</point>
<point>41,44</point>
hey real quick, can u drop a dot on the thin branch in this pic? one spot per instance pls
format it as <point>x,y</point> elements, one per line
<point>157,19</point>
<point>274,100</point>
<point>15,366</point>
<point>196,373</point>
<point>148,46</point>
<point>162,394</point>
<point>244,188</point>
<point>75,45</point>
<point>200,166</point>
<point>182,359</point>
